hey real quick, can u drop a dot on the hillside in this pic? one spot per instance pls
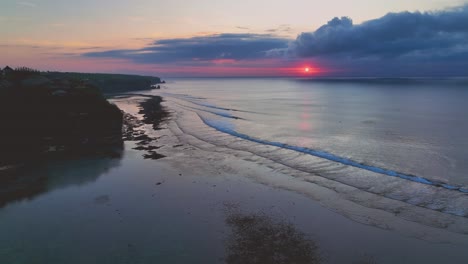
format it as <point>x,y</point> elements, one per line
<point>44,114</point>
<point>109,83</point>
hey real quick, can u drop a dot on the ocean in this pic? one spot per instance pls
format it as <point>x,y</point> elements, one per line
<point>416,127</point>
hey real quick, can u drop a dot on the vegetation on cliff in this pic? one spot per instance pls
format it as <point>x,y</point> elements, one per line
<point>110,83</point>
<point>44,114</point>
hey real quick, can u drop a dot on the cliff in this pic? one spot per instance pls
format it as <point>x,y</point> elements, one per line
<point>45,115</point>
<point>110,83</point>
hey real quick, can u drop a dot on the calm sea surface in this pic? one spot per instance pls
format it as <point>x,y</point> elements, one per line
<point>416,127</point>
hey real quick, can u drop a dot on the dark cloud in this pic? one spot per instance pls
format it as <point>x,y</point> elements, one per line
<point>206,48</point>
<point>417,35</point>
<point>397,44</point>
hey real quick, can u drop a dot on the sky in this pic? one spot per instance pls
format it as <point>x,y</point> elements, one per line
<point>174,38</point>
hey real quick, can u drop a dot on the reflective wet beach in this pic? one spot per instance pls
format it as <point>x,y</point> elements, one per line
<point>122,216</point>
<point>194,207</point>
<point>413,126</point>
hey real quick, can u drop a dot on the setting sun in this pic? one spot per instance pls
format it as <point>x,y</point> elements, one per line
<point>307,69</point>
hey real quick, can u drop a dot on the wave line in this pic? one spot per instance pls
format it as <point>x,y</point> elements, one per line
<point>335,158</point>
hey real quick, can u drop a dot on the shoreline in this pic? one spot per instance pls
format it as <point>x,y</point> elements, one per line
<point>301,182</point>
<point>152,114</point>
<point>196,156</point>
<point>200,203</point>
<point>385,197</point>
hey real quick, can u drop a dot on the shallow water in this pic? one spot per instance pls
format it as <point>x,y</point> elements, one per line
<point>194,205</point>
<point>115,211</point>
<point>394,138</point>
<point>413,127</point>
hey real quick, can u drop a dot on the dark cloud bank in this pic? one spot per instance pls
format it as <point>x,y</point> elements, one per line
<point>201,49</point>
<point>397,44</point>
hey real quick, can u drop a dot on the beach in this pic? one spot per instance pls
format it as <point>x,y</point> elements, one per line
<point>182,192</point>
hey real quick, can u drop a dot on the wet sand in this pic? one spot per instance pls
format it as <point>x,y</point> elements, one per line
<point>202,204</point>
<point>195,155</point>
